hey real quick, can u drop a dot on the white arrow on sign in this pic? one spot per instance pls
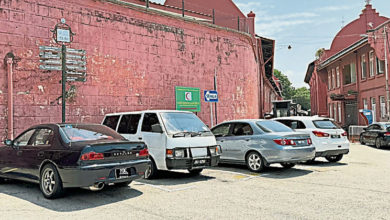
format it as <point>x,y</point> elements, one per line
<point>209,96</point>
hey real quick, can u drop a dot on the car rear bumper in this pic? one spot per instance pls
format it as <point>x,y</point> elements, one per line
<point>192,163</point>
<point>290,155</point>
<point>85,176</point>
<point>332,152</point>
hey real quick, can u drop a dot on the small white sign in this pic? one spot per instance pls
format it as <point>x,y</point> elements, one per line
<point>63,35</point>
<point>188,96</point>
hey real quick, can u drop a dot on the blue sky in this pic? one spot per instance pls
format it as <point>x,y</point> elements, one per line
<point>306,25</point>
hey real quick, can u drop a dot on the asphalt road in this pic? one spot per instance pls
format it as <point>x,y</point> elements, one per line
<point>358,187</point>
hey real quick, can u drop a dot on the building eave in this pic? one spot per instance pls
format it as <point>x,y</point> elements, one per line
<point>343,53</point>
<point>309,72</point>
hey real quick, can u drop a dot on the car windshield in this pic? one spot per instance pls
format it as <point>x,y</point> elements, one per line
<point>76,133</point>
<point>273,126</point>
<point>325,124</point>
<point>178,122</point>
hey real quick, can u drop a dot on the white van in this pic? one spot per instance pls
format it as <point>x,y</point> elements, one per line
<point>175,139</point>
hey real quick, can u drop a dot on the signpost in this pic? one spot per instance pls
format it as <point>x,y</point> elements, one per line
<point>187,99</point>
<point>71,62</point>
<point>211,96</point>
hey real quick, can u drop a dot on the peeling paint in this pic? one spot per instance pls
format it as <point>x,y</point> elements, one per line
<point>1,92</point>
<point>23,93</point>
<point>40,88</point>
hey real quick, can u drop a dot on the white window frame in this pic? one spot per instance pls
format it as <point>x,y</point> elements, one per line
<point>338,76</point>
<point>335,111</point>
<point>330,111</point>
<point>382,106</point>
<point>364,70</point>
<point>333,80</point>
<point>329,81</point>
<point>353,73</point>
<point>380,66</point>
<point>373,108</point>
<point>371,56</point>
<point>339,109</point>
<point>365,104</point>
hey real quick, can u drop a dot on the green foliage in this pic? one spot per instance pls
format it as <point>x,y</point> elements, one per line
<point>300,95</point>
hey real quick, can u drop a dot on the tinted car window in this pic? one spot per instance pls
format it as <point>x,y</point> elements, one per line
<point>76,133</point>
<point>272,126</point>
<point>42,137</point>
<point>129,124</point>
<point>241,129</point>
<point>24,139</point>
<point>149,120</point>
<point>222,130</point>
<point>111,121</point>
<point>325,124</point>
<point>294,124</point>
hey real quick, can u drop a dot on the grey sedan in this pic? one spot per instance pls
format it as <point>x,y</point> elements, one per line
<point>258,143</point>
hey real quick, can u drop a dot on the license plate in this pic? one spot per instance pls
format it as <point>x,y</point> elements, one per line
<point>199,152</point>
<point>335,136</point>
<point>122,173</point>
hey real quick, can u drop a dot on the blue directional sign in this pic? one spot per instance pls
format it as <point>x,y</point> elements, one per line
<point>210,96</point>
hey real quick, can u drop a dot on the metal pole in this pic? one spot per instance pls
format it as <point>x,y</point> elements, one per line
<point>211,114</point>
<point>182,8</point>
<point>215,88</point>
<point>213,16</point>
<point>386,74</point>
<point>63,81</point>
<point>147,3</point>
<point>238,21</point>
<point>10,100</point>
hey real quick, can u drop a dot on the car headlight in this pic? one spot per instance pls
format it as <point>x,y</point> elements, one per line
<point>179,153</point>
<point>215,150</point>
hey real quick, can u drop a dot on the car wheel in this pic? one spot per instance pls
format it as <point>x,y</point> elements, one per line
<point>123,184</point>
<point>195,172</point>
<point>361,140</point>
<point>254,161</point>
<point>151,172</point>
<point>50,182</point>
<point>378,143</point>
<point>334,158</point>
<point>287,165</point>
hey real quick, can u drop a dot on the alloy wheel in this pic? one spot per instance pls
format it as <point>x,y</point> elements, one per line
<point>254,162</point>
<point>48,182</point>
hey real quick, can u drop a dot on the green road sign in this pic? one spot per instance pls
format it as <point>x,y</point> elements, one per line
<point>187,99</point>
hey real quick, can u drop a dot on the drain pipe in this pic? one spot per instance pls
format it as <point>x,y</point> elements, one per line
<point>10,99</point>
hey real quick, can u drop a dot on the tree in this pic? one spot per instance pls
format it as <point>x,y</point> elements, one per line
<point>302,97</point>
<point>287,88</point>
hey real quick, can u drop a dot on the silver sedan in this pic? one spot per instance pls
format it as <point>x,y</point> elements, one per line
<point>258,143</point>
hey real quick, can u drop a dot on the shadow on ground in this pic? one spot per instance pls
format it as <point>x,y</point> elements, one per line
<point>74,199</point>
<point>170,178</point>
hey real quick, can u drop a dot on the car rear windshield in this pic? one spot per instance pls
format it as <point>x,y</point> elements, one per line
<point>76,133</point>
<point>273,126</point>
<point>183,122</point>
<point>325,124</point>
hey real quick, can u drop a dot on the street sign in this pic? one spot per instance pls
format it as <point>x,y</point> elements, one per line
<point>63,35</point>
<point>187,99</point>
<point>210,96</point>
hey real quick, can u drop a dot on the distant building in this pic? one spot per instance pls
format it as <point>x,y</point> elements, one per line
<point>351,74</point>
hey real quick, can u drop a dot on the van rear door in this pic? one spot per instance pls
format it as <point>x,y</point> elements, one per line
<point>128,127</point>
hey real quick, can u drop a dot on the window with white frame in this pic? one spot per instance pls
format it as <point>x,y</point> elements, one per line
<point>349,73</point>
<point>333,80</point>
<point>329,81</point>
<point>330,111</point>
<point>339,108</point>
<point>364,66</point>
<point>380,66</point>
<point>372,63</point>
<point>365,104</point>
<point>383,106</point>
<point>373,108</point>
<point>338,76</point>
<point>335,111</point>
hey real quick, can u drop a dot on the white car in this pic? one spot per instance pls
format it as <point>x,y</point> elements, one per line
<point>328,138</point>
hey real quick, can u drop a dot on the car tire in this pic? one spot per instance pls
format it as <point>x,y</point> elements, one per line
<point>195,172</point>
<point>50,182</point>
<point>334,158</point>
<point>288,165</point>
<point>361,140</point>
<point>254,162</point>
<point>123,184</point>
<point>152,171</point>
<point>378,143</point>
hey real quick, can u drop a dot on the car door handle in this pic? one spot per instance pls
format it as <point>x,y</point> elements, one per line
<point>247,139</point>
<point>40,154</point>
<point>140,138</point>
<point>221,140</point>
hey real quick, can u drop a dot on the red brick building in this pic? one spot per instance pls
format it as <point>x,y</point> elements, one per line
<point>352,72</point>
<point>135,58</point>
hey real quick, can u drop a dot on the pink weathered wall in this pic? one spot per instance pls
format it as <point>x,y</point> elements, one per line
<point>134,61</point>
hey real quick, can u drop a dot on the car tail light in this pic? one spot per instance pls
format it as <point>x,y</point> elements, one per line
<point>320,134</point>
<point>345,133</point>
<point>143,153</point>
<point>169,153</point>
<point>387,134</point>
<point>92,156</point>
<point>284,142</point>
<point>309,141</point>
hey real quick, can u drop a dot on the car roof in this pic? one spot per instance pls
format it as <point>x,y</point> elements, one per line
<point>244,120</point>
<point>304,118</point>
<point>148,111</point>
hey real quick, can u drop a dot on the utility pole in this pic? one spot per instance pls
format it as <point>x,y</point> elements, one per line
<point>386,73</point>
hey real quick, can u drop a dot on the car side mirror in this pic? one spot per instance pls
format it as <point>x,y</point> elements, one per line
<point>156,128</point>
<point>364,129</point>
<point>8,142</point>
